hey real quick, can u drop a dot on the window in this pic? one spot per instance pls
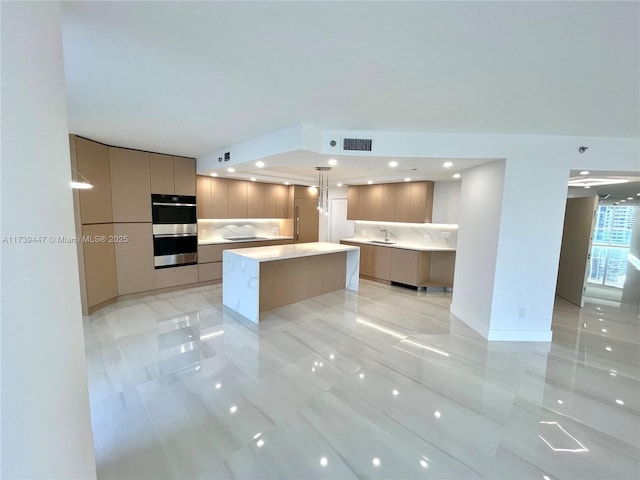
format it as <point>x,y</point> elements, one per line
<point>610,245</point>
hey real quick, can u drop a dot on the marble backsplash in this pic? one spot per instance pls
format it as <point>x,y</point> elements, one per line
<point>438,235</point>
<point>216,230</point>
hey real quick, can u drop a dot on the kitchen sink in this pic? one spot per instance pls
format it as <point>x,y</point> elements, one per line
<point>382,242</point>
<point>242,239</point>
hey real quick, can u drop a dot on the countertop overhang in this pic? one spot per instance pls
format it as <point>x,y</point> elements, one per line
<point>401,245</point>
<point>294,250</point>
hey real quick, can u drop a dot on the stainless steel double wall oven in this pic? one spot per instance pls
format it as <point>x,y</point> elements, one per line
<point>175,230</point>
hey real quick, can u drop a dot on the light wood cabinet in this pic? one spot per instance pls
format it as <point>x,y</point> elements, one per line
<point>99,264</point>
<point>353,202</point>
<point>172,277</point>
<point>409,267</point>
<point>130,185</point>
<point>364,203</point>
<point>270,200</point>
<point>375,201</point>
<point>134,257</point>
<point>184,176</point>
<point>161,171</point>
<point>389,202</point>
<point>282,201</point>
<point>237,198</point>
<point>421,202</point>
<point>404,266</point>
<point>226,198</point>
<point>203,197</point>
<point>255,200</point>
<point>381,263</point>
<point>92,161</point>
<point>219,198</point>
<point>403,203</point>
<point>208,272</point>
<point>172,175</point>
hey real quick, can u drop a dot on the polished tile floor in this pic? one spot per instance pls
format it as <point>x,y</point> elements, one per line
<point>382,383</point>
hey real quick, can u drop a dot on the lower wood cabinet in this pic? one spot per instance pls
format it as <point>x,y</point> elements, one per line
<point>134,257</point>
<point>409,267</point>
<point>99,263</point>
<point>171,277</point>
<point>210,256</point>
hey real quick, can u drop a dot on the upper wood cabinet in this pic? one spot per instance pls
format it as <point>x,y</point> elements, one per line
<point>92,162</point>
<point>184,175</point>
<point>353,202</point>
<point>255,200</point>
<point>172,175</point>
<point>403,203</point>
<point>219,198</point>
<point>161,169</point>
<point>130,185</point>
<point>421,202</point>
<point>282,201</point>
<point>237,199</point>
<point>203,197</point>
<point>391,202</point>
<point>226,198</point>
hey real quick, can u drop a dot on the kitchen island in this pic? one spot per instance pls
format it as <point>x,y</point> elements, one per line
<point>258,279</point>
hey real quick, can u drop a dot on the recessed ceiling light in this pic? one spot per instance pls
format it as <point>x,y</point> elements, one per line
<point>456,175</point>
<point>338,184</point>
<point>447,164</point>
<point>233,409</point>
<point>287,183</point>
<point>376,462</point>
<point>324,461</point>
<point>231,169</point>
<point>370,182</point>
<point>259,164</point>
<point>214,174</point>
<point>629,198</point>
<point>253,179</point>
<point>393,163</point>
<point>638,194</point>
<point>585,172</point>
<point>332,161</point>
<point>622,201</point>
<point>407,179</point>
<point>619,402</point>
<point>437,414</point>
<point>587,186</point>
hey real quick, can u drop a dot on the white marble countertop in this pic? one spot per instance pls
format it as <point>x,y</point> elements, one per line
<point>222,241</point>
<point>294,250</point>
<point>402,245</point>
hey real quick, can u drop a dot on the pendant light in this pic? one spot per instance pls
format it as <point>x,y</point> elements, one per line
<point>323,189</point>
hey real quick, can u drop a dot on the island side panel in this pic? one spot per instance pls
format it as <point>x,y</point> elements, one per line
<point>241,284</point>
<point>294,279</point>
<point>353,269</point>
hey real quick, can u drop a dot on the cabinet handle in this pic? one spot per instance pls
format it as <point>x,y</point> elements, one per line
<point>297,224</point>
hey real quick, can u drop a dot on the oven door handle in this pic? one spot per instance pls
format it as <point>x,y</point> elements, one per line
<point>169,235</point>
<point>166,204</point>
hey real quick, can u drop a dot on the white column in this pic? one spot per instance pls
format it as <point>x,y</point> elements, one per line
<point>511,218</point>
<point>46,428</point>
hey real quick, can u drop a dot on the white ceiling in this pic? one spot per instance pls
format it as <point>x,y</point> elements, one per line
<point>193,78</point>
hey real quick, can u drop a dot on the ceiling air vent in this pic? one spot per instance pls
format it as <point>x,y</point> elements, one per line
<point>358,144</point>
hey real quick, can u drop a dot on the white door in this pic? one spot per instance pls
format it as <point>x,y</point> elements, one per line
<point>339,226</point>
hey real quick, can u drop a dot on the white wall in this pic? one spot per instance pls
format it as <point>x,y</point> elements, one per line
<point>446,202</point>
<point>480,212</point>
<point>324,220</point>
<point>46,430</point>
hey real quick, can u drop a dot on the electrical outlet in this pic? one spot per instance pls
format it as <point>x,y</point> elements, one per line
<point>445,235</point>
<point>522,312</point>
<point>427,238</point>
<point>275,231</point>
